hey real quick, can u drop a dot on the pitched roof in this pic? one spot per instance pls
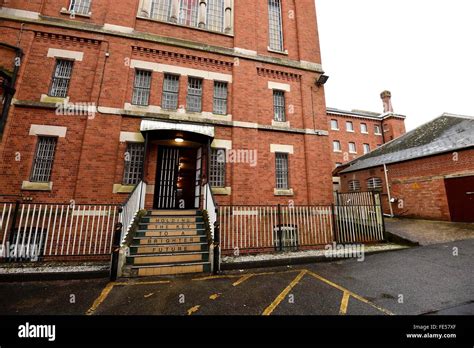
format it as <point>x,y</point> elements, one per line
<point>444,134</point>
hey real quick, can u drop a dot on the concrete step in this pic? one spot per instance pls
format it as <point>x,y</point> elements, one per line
<point>161,226</point>
<point>174,212</point>
<point>170,233</point>
<point>168,248</point>
<point>172,219</point>
<point>147,241</point>
<point>160,259</point>
<point>170,269</point>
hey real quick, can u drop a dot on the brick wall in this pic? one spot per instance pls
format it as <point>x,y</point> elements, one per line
<point>89,160</point>
<point>418,185</point>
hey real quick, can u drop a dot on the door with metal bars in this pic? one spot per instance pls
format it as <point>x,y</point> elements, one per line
<point>178,178</point>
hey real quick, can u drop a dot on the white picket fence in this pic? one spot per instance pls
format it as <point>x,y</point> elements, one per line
<point>56,230</point>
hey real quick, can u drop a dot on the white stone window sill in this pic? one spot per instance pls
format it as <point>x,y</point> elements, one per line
<point>67,12</point>
<point>353,153</point>
<point>335,129</point>
<point>281,124</point>
<point>377,133</point>
<point>280,192</point>
<point>222,191</point>
<point>37,186</point>
<point>337,151</point>
<point>365,133</point>
<point>53,100</point>
<point>120,188</point>
<point>285,52</point>
<point>350,131</point>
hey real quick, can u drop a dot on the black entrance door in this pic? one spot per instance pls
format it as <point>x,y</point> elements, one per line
<point>460,192</point>
<point>175,178</point>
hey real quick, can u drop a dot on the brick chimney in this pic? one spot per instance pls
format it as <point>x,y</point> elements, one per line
<point>387,101</point>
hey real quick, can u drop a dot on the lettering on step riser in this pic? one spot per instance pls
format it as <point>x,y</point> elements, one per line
<point>171,220</point>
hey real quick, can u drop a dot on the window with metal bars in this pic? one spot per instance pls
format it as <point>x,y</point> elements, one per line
<point>134,157</point>
<point>217,168</point>
<point>282,182</point>
<point>141,88</point>
<point>354,185</point>
<point>161,10</point>
<point>194,98</point>
<point>275,25</point>
<point>43,160</point>
<point>279,106</point>
<point>374,184</point>
<point>61,78</point>
<point>170,92</point>
<point>188,13</point>
<point>215,15</point>
<point>220,98</point>
<point>80,6</point>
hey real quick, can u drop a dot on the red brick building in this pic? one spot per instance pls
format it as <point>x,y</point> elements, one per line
<point>356,133</point>
<point>427,173</point>
<point>109,93</point>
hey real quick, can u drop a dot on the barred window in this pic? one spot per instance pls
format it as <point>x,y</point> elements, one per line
<point>134,157</point>
<point>43,160</point>
<point>279,106</point>
<point>336,145</point>
<point>374,184</point>
<point>188,13</point>
<point>194,98</point>
<point>61,78</point>
<point>220,98</point>
<point>141,88</point>
<point>80,6</point>
<point>275,25</point>
<point>161,10</point>
<point>354,185</point>
<point>217,168</point>
<point>170,92</point>
<point>282,181</point>
<point>215,15</point>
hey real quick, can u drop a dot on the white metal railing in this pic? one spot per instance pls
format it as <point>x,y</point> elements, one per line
<point>250,228</point>
<point>130,209</point>
<point>210,207</point>
<point>30,231</point>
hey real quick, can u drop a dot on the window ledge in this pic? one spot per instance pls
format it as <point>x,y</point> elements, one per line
<point>365,133</point>
<point>337,151</point>
<point>280,192</point>
<point>120,188</point>
<point>350,131</point>
<point>53,100</point>
<point>224,33</point>
<point>285,52</point>
<point>69,13</point>
<point>377,133</point>
<point>335,129</point>
<point>36,186</point>
<point>353,153</point>
<point>281,124</point>
<point>222,191</point>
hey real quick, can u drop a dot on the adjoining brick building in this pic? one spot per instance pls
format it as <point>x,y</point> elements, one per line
<point>109,93</point>
<point>356,133</point>
<point>427,173</point>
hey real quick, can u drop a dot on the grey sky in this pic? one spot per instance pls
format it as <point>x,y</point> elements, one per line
<point>421,50</point>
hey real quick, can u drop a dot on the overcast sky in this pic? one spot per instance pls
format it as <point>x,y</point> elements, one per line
<point>420,50</point>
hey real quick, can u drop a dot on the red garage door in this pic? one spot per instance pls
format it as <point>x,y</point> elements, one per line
<point>460,192</point>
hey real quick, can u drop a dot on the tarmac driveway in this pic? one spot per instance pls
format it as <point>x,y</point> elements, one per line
<point>435,279</point>
<point>426,232</point>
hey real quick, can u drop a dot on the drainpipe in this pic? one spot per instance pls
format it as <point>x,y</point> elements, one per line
<point>388,190</point>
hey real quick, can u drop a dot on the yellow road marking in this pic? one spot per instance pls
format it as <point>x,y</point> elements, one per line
<point>243,279</point>
<point>358,297</point>
<point>344,303</point>
<point>193,310</point>
<point>149,295</point>
<point>103,295</point>
<point>230,276</point>
<point>269,310</point>
<point>144,283</point>
<point>214,297</point>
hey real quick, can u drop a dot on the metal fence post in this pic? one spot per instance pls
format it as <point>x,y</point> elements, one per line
<point>334,224</point>
<point>280,231</point>
<point>217,246</point>
<point>9,238</point>
<point>116,251</point>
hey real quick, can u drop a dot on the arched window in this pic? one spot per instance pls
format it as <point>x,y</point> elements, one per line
<point>374,184</point>
<point>354,186</point>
